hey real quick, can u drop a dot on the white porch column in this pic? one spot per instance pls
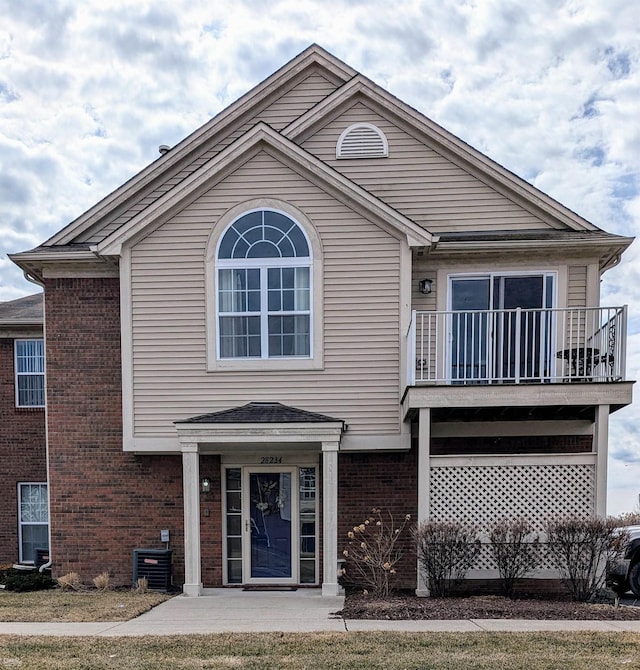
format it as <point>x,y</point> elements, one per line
<point>330,519</point>
<point>424,482</point>
<point>191,489</point>
<point>601,447</point>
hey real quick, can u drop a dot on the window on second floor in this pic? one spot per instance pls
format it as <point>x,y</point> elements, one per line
<point>264,293</point>
<point>29,367</point>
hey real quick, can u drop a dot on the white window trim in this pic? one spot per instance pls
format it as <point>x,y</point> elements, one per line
<point>491,275</point>
<point>26,374</point>
<point>263,264</point>
<point>316,359</point>
<point>22,523</point>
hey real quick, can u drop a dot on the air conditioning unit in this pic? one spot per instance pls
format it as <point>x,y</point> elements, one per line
<point>155,566</point>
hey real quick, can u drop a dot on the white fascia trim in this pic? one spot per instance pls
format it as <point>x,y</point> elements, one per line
<point>446,248</point>
<point>216,433</point>
<point>306,164</point>
<point>126,349</point>
<point>399,442</point>
<point>313,55</point>
<point>586,458</point>
<point>473,158</point>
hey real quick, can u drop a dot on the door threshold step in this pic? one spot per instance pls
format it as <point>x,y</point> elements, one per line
<point>267,587</point>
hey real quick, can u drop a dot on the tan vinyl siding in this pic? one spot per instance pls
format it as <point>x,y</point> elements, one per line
<point>418,181</point>
<point>360,380</point>
<point>303,95</point>
<point>577,286</point>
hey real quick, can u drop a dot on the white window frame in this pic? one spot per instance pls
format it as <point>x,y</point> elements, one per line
<point>315,359</point>
<point>19,374</point>
<point>263,265</point>
<point>22,523</point>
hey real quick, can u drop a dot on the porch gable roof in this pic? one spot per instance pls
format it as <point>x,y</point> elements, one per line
<point>262,412</point>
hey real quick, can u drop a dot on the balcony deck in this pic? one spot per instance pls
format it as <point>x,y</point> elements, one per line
<point>553,363</point>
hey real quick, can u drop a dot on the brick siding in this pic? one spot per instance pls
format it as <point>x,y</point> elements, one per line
<point>104,502</point>
<point>22,452</point>
<point>384,480</point>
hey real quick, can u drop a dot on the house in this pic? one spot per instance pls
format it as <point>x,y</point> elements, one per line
<point>23,475</point>
<point>319,302</point>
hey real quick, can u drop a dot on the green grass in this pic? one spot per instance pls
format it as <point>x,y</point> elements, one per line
<point>351,651</point>
<point>57,605</point>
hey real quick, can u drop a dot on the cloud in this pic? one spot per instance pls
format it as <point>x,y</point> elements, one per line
<point>549,89</point>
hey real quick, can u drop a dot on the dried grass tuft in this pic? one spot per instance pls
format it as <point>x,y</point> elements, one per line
<point>69,582</point>
<point>103,581</point>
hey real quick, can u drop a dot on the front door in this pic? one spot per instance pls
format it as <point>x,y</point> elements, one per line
<point>271,510</point>
<point>270,524</point>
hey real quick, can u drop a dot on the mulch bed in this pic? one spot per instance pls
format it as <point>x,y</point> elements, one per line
<point>359,606</point>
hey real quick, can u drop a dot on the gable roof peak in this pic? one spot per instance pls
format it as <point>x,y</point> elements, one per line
<point>313,56</point>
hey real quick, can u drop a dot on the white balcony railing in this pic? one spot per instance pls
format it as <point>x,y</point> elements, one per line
<point>514,346</point>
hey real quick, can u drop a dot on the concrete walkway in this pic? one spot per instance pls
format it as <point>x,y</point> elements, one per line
<point>305,610</point>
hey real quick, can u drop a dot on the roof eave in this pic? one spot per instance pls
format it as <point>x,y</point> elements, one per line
<point>262,135</point>
<point>314,54</point>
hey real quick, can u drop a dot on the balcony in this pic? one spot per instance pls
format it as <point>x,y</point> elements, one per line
<point>517,346</point>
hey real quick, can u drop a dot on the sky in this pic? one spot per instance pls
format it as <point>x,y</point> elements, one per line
<point>550,89</point>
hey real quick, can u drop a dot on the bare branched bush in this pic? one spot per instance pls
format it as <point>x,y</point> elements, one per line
<point>142,585</point>
<point>103,581</point>
<point>446,551</point>
<point>515,549</point>
<point>581,550</point>
<point>373,553</point>
<point>69,582</point>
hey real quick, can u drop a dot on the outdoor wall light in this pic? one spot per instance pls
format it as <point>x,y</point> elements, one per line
<point>425,286</point>
<point>205,485</point>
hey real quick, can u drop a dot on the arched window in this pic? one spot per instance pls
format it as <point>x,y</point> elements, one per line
<point>264,291</point>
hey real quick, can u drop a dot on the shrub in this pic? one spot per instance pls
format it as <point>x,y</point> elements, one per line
<point>103,581</point>
<point>446,551</point>
<point>69,582</point>
<point>373,552</point>
<point>514,547</point>
<point>581,550</point>
<point>4,568</point>
<point>31,580</point>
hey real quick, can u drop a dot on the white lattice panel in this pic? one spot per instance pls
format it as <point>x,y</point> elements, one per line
<point>482,494</point>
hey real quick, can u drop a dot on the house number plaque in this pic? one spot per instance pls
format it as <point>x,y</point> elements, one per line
<point>270,460</point>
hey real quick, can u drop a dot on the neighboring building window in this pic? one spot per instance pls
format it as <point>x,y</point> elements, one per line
<point>264,288</point>
<point>29,373</point>
<point>362,140</point>
<point>33,514</point>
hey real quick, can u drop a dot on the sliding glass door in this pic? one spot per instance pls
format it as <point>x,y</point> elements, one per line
<point>500,331</point>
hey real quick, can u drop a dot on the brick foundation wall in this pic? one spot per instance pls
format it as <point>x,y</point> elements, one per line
<point>104,502</point>
<point>22,452</point>
<point>384,480</point>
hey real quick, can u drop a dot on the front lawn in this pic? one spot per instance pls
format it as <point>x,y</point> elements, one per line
<point>351,651</point>
<point>57,605</point>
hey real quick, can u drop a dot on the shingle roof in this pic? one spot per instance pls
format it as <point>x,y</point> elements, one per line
<point>23,311</point>
<point>261,412</point>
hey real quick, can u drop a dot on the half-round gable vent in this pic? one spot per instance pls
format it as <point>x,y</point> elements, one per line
<point>362,140</point>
